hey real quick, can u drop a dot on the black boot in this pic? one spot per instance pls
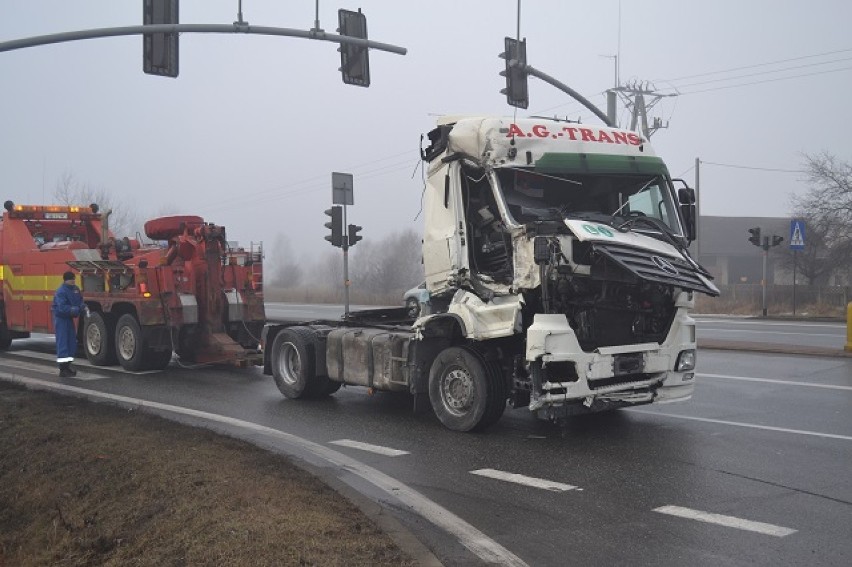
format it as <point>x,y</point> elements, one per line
<point>64,370</point>
<point>72,370</point>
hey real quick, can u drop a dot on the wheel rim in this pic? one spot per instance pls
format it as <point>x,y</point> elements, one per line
<point>457,391</point>
<point>93,339</point>
<point>126,343</point>
<point>289,364</point>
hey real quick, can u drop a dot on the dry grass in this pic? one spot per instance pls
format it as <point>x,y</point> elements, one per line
<point>88,484</point>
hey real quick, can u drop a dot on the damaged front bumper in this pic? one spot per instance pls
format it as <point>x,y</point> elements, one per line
<point>565,380</point>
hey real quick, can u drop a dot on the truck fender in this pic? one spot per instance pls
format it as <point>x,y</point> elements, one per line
<point>440,325</point>
<point>433,334</point>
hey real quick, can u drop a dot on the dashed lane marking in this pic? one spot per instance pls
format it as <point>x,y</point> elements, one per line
<point>378,449</point>
<point>525,480</point>
<point>727,521</point>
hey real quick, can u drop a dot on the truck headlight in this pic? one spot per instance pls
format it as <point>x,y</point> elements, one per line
<point>685,361</point>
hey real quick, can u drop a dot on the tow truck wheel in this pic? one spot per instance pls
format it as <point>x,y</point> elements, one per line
<point>5,337</point>
<point>98,339</point>
<point>465,391</point>
<point>128,343</point>
<point>158,359</point>
<point>293,362</point>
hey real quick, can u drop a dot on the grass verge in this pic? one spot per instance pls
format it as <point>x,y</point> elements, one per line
<point>92,484</point>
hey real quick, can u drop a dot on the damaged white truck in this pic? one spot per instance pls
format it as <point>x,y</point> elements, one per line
<point>556,259</point>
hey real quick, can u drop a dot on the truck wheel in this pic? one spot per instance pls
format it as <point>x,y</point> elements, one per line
<point>5,337</point>
<point>128,343</point>
<point>294,362</point>
<point>157,359</point>
<point>99,339</point>
<point>467,393</point>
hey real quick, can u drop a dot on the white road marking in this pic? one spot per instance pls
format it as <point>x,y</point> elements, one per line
<point>773,381</point>
<point>78,364</point>
<point>378,449</point>
<point>727,521</point>
<point>474,540</point>
<point>82,375</point>
<point>740,424</point>
<point>765,332</point>
<point>525,480</point>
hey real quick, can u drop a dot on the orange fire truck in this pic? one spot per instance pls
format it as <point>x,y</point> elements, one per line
<point>187,292</point>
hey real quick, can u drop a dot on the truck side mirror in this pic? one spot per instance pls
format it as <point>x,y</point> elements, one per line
<point>686,198</point>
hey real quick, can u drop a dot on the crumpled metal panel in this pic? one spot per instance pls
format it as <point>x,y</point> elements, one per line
<point>500,317</point>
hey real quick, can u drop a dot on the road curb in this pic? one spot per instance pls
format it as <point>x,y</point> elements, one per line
<point>715,344</point>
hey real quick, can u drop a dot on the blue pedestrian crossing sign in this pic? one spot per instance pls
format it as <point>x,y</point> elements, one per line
<point>797,234</point>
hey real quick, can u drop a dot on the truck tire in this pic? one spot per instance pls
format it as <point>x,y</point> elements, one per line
<point>157,359</point>
<point>467,393</point>
<point>99,339</point>
<point>5,336</point>
<point>294,362</point>
<point>129,347</point>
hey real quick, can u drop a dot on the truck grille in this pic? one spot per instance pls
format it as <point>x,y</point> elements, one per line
<point>656,268</point>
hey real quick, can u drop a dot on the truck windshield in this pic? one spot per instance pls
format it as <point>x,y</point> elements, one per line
<point>531,196</point>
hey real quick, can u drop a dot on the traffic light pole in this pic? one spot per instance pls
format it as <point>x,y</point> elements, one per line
<point>765,254</point>
<point>346,281</point>
<point>569,91</point>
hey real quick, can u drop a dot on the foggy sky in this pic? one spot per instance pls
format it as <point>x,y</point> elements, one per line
<point>249,133</point>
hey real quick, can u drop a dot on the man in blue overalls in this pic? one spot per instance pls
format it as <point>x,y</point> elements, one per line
<point>67,304</point>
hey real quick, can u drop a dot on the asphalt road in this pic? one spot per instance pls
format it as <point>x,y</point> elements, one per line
<point>754,470</point>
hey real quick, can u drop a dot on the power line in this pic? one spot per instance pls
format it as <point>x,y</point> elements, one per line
<point>767,81</point>
<point>757,65</point>
<point>752,167</point>
<point>765,72</point>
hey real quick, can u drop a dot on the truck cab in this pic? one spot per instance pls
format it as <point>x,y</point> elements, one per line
<point>572,240</point>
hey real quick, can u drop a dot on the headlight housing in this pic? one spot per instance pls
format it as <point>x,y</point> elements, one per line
<point>685,361</point>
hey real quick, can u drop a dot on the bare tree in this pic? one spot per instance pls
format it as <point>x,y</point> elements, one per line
<point>285,269</point>
<point>389,266</point>
<point>818,260</point>
<point>827,211</point>
<point>124,220</point>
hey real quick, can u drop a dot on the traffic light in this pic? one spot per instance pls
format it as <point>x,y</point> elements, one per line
<point>353,234</point>
<point>160,50</point>
<point>354,59</point>
<point>776,240</point>
<point>516,91</point>
<point>336,225</point>
<point>755,235</point>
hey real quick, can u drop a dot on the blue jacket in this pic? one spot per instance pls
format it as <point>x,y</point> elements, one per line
<point>67,304</point>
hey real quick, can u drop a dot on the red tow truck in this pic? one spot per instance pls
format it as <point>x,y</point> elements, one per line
<point>187,293</point>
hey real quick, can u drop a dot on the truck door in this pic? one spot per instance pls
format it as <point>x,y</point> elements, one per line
<point>445,239</point>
